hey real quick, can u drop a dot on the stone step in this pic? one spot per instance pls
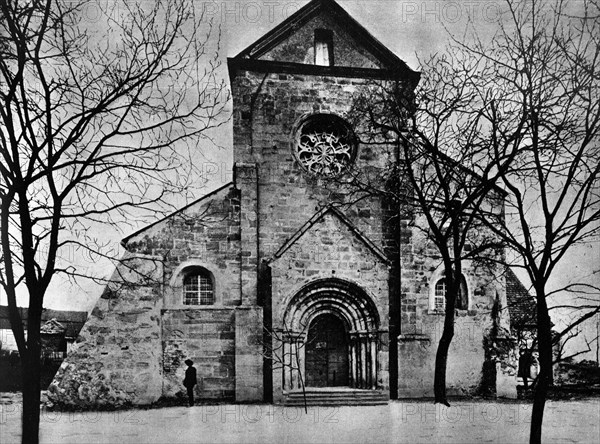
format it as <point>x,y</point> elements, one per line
<point>335,397</point>
<point>356,392</point>
<point>330,403</point>
<point>333,402</point>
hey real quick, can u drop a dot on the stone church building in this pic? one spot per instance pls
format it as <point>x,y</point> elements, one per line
<point>280,279</point>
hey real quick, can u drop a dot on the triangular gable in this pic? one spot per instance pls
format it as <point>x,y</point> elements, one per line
<point>319,216</point>
<point>125,240</point>
<point>357,47</point>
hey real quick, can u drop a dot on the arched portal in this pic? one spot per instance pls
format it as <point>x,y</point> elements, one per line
<point>325,319</point>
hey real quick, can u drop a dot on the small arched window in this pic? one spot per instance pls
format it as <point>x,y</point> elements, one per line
<point>439,298</point>
<point>198,288</point>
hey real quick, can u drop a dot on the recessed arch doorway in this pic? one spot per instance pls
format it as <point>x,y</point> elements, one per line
<point>331,337</point>
<point>327,352</point>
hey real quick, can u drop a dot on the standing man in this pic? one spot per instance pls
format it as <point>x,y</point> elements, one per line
<point>190,380</point>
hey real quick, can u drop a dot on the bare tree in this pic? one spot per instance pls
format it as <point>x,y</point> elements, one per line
<point>100,121</point>
<point>573,331</point>
<point>522,111</point>
<point>435,180</point>
<point>540,77</point>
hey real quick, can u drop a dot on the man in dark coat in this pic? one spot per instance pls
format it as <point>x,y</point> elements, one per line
<point>190,380</point>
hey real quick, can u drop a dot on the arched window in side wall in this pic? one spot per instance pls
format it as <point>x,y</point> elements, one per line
<point>439,299</point>
<point>198,288</point>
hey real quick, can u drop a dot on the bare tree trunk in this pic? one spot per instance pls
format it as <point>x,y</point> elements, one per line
<point>31,400</point>
<point>545,376</point>
<point>453,273</point>
<point>31,373</point>
<point>441,359</point>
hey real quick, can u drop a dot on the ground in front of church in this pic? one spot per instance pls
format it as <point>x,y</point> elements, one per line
<point>397,422</point>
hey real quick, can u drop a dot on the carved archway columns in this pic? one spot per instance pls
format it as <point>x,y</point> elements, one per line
<point>357,311</point>
<point>362,360</point>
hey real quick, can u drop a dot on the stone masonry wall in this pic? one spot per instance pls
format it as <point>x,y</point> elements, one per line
<point>131,350</point>
<point>226,347</point>
<point>249,354</point>
<point>329,249</point>
<point>267,109</point>
<point>207,337</point>
<point>210,234</point>
<point>206,234</point>
<point>422,327</point>
<point>299,47</point>
<point>115,361</point>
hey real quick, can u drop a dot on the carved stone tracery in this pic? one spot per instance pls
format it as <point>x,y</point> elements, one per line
<point>325,145</point>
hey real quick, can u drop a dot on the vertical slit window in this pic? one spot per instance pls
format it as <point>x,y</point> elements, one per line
<point>323,47</point>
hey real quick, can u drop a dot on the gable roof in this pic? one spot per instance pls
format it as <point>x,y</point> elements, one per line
<point>521,305</point>
<point>52,327</point>
<point>249,57</point>
<point>72,321</point>
<point>319,216</point>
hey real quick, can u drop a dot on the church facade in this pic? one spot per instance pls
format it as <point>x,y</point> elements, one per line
<point>282,280</point>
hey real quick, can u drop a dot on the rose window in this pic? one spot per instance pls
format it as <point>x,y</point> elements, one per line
<point>325,145</point>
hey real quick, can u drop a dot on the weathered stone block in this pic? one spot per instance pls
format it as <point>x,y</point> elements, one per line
<point>249,354</point>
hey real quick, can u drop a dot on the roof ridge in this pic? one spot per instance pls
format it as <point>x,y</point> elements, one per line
<point>349,23</point>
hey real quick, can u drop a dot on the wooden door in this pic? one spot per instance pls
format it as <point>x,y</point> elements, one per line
<point>327,353</point>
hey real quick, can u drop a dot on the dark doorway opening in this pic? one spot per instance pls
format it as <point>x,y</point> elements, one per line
<point>327,352</point>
